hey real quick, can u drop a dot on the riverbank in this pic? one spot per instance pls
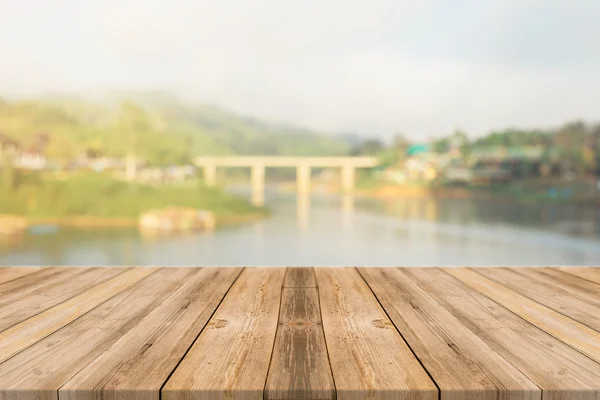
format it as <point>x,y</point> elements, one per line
<point>97,201</point>
<point>580,192</point>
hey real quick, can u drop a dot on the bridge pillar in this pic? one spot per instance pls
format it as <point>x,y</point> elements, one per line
<point>258,184</point>
<point>303,172</point>
<point>348,178</point>
<point>210,174</point>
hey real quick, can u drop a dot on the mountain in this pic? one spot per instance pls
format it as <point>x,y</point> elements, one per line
<point>156,127</point>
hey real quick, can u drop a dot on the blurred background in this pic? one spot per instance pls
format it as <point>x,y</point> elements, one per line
<point>393,132</point>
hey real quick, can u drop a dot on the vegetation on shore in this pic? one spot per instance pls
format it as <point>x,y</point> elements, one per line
<point>158,130</point>
<point>155,128</point>
<point>96,198</point>
<point>579,191</point>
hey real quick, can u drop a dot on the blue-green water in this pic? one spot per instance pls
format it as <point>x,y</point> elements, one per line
<point>335,231</point>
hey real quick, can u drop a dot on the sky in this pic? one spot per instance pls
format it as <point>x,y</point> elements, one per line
<point>421,67</point>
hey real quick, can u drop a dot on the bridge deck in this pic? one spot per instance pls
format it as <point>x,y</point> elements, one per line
<point>288,161</point>
<point>184,333</point>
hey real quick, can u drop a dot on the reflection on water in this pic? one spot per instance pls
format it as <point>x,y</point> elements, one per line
<point>303,210</point>
<point>567,219</point>
<point>331,230</point>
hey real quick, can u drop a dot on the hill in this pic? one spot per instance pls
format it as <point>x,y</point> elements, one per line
<point>157,129</point>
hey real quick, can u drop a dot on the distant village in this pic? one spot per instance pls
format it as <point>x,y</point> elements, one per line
<point>34,158</point>
<point>415,163</point>
<point>482,166</point>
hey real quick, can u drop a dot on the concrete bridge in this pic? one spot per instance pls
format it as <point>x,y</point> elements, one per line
<point>303,165</point>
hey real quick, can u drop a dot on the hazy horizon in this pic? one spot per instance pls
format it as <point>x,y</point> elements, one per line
<point>421,68</point>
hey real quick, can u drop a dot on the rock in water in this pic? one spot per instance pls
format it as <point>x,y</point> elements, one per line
<point>177,219</point>
<point>12,224</point>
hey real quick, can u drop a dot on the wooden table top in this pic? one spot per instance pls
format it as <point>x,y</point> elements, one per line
<point>299,333</point>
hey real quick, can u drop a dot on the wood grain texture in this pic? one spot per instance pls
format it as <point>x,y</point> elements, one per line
<point>591,274</point>
<point>569,331</point>
<point>369,358</point>
<point>54,292</point>
<point>23,286</point>
<point>230,359</point>
<point>575,285</point>
<point>462,364</point>
<point>544,290</point>
<point>138,364</point>
<point>30,331</point>
<point>117,334</point>
<point>560,371</point>
<point>299,278</point>
<point>39,371</point>
<point>300,364</point>
<point>8,274</point>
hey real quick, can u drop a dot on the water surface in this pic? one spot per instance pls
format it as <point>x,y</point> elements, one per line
<point>329,230</point>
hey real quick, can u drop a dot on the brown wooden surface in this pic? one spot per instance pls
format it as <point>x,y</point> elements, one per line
<point>576,285</point>
<point>29,283</point>
<point>32,330</point>
<point>459,361</point>
<point>300,366</point>
<point>559,370</point>
<point>540,288</point>
<point>369,358</point>
<point>8,274</point>
<point>571,332</point>
<point>299,333</point>
<point>231,357</point>
<point>56,291</point>
<point>39,371</point>
<point>300,278</point>
<point>139,363</point>
<point>590,274</point>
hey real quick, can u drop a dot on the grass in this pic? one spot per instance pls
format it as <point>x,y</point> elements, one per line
<point>97,195</point>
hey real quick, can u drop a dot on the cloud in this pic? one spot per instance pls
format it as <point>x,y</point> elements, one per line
<point>421,67</point>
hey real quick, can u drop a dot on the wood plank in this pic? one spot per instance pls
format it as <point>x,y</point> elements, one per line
<point>21,287</point>
<point>569,331</point>
<point>592,274</point>
<point>11,273</point>
<point>369,358</point>
<point>42,369</point>
<point>300,364</point>
<point>299,278</point>
<point>462,365</point>
<point>230,359</point>
<point>560,371</point>
<point>575,285</point>
<point>30,331</point>
<point>54,292</point>
<point>529,284</point>
<point>139,363</point>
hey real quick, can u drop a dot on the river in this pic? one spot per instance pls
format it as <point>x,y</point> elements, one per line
<point>329,230</point>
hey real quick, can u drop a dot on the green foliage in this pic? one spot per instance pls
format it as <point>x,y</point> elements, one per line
<point>575,145</point>
<point>157,130</point>
<point>100,196</point>
<point>370,147</point>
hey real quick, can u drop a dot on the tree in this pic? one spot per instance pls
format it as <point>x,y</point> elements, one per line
<point>395,154</point>
<point>370,147</point>
<point>61,150</point>
<point>441,145</point>
<point>7,154</point>
<point>595,135</point>
<point>570,140</point>
<point>132,125</point>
